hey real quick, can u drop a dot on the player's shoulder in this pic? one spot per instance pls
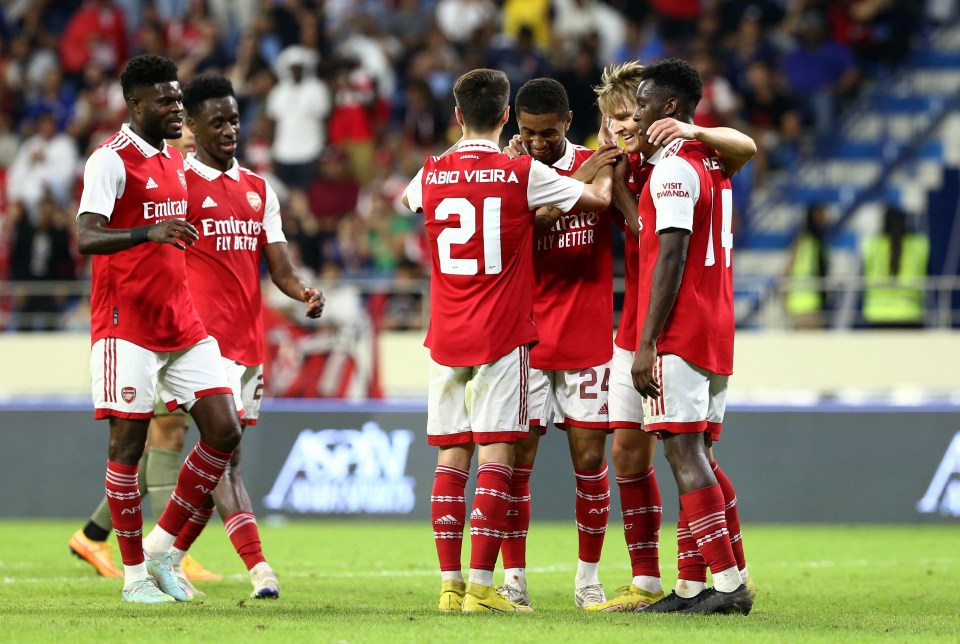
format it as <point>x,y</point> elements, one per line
<point>252,176</point>
<point>686,149</point>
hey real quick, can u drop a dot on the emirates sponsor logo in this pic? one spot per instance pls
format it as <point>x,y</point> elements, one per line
<point>254,200</point>
<point>129,394</point>
<point>164,209</point>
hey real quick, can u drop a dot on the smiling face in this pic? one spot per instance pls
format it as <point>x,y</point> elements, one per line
<point>157,111</point>
<point>544,135</point>
<point>621,123</point>
<point>217,128</point>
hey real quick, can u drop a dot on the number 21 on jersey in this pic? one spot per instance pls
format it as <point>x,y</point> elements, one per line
<point>462,234</point>
<point>726,227</point>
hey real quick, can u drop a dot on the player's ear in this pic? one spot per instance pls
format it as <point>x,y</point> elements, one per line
<point>567,121</point>
<point>505,116</point>
<point>670,107</point>
<point>458,115</point>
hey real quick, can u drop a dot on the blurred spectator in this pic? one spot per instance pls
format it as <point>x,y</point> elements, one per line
<point>45,165</point>
<point>878,31</point>
<point>579,80</point>
<point>819,72</point>
<point>677,20</point>
<point>895,266</point>
<point>421,123</point>
<point>41,250</point>
<point>299,105</point>
<point>533,15</point>
<point>576,20</point>
<point>458,19</point>
<point>387,231</point>
<point>718,105</point>
<point>356,112</point>
<point>251,78</point>
<point>408,24</point>
<point>772,118</point>
<point>100,106</point>
<point>95,32</point>
<point>641,43</point>
<point>404,307</point>
<point>520,59</point>
<point>51,97</point>
<point>333,192</point>
<point>749,44</point>
<point>808,266</point>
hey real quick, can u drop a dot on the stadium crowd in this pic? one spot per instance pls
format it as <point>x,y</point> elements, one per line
<point>341,101</point>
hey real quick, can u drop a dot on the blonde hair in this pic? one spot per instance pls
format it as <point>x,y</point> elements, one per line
<point>618,86</point>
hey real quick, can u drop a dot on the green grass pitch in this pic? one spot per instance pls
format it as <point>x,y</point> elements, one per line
<point>367,581</point>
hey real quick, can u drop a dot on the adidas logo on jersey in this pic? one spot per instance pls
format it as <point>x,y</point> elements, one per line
<point>477,515</point>
<point>603,410</point>
<point>208,203</point>
<point>151,184</point>
<point>447,519</point>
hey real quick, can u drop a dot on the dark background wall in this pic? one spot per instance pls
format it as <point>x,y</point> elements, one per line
<point>837,464</point>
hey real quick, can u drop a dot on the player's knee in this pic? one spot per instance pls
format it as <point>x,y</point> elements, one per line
<point>125,452</point>
<point>590,459</point>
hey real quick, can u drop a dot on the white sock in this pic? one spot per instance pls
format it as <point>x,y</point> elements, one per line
<point>587,573</point>
<point>647,583</point>
<point>482,577</point>
<point>515,577</point>
<point>178,556</point>
<point>133,574</point>
<point>159,540</point>
<point>688,589</point>
<point>727,581</point>
<point>744,575</point>
<point>451,575</point>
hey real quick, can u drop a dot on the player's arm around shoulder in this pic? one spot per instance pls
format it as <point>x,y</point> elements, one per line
<point>735,148</point>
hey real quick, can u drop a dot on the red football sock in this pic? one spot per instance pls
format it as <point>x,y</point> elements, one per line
<point>123,497</point>
<point>733,516</point>
<point>192,529</point>
<point>448,508</point>
<point>198,477</point>
<point>592,512</point>
<point>707,521</point>
<point>242,529</point>
<point>642,510</point>
<point>488,519</point>
<point>690,564</point>
<point>514,546</point>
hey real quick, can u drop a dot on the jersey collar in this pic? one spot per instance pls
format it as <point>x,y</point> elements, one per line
<point>212,174</point>
<point>145,148</point>
<point>565,162</point>
<point>655,157</point>
<point>477,145</point>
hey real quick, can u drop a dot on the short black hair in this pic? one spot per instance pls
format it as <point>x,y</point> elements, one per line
<point>678,77</point>
<point>146,70</point>
<point>482,95</point>
<point>542,96</point>
<point>204,87</point>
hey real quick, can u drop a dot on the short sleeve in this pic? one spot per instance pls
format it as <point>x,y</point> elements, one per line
<point>547,188</point>
<point>675,188</point>
<point>272,223</point>
<point>104,178</point>
<point>414,193</point>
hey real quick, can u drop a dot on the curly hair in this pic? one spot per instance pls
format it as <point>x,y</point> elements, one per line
<point>679,78</point>
<point>146,70</point>
<point>542,96</point>
<point>618,86</point>
<point>482,95</point>
<point>204,87</point>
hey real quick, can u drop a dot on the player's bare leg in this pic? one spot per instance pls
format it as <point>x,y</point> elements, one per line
<point>487,525</point>
<point>642,510</point>
<point>588,454</point>
<point>702,508</point>
<point>448,508</point>
<point>514,546</point>
<point>216,418</point>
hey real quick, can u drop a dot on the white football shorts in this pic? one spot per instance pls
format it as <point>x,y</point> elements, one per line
<point>626,403</point>
<point>483,404</point>
<point>247,385</point>
<point>575,396</point>
<point>692,400</point>
<point>126,377</point>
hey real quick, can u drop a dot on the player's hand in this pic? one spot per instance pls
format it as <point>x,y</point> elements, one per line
<point>176,232</point>
<point>314,300</point>
<point>666,130</point>
<point>642,371</point>
<point>544,219</point>
<point>604,156</point>
<point>605,135</point>
<point>621,171</point>
<point>515,148</point>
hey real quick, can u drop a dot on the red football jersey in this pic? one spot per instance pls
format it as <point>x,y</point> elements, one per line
<point>573,288</point>
<point>237,214</point>
<point>627,330</point>
<point>689,189</point>
<point>477,204</point>
<point>139,294</point>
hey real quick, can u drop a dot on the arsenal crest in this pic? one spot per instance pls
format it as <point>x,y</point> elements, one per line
<point>129,394</point>
<point>183,179</point>
<point>254,200</point>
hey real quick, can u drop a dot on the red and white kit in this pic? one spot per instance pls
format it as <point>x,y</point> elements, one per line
<point>478,204</point>
<point>140,295</point>
<point>690,190</point>
<point>625,402</point>
<point>236,214</point>
<point>573,298</point>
